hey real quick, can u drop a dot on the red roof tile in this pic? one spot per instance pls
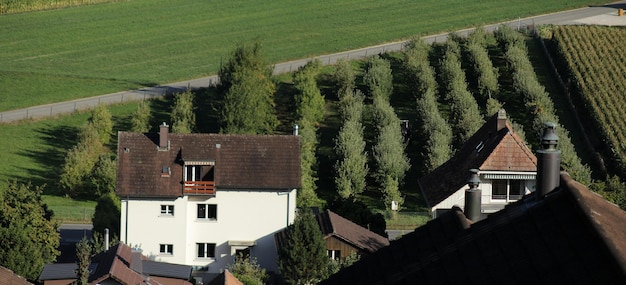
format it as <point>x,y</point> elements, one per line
<point>489,148</point>
<point>7,277</point>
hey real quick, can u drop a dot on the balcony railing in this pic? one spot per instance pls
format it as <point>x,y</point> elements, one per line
<point>199,188</point>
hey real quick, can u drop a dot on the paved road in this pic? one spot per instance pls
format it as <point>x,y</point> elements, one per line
<point>70,235</point>
<point>604,15</point>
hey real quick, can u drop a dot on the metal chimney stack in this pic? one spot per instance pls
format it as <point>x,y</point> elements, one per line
<point>473,198</point>
<point>106,239</point>
<point>548,161</point>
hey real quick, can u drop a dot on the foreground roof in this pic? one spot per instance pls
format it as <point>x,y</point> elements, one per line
<point>494,147</point>
<point>571,236</point>
<point>124,265</point>
<point>241,161</point>
<point>335,225</point>
<point>8,277</point>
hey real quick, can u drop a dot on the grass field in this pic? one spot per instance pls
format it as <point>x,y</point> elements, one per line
<point>57,55</point>
<point>68,210</point>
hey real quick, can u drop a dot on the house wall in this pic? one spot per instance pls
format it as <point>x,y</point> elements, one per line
<point>489,205</point>
<point>333,243</point>
<point>242,216</point>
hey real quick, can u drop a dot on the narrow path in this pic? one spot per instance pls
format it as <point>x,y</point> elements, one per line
<point>605,15</point>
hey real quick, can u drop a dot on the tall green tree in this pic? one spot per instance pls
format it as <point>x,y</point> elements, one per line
<point>183,115</point>
<point>391,161</point>
<point>101,121</point>
<point>247,91</point>
<point>378,78</point>
<point>302,258</point>
<point>309,100</point>
<point>345,78</point>
<point>29,236</point>
<point>307,196</point>
<point>351,166</point>
<point>107,214</point>
<point>80,161</point>
<point>83,254</point>
<point>140,119</point>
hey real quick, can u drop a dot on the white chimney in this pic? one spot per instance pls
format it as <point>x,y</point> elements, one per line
<point>106,239</point>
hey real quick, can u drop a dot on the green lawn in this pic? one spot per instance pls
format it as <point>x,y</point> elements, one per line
<point>68,210</point>
<point>57,55</point>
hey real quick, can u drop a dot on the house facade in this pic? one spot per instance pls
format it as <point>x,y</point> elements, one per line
<point>201,199</point>
<point>506,166</point>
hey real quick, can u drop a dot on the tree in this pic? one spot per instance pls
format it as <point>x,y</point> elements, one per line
<point>83,254</point>
<point>351,166</point>
<point>102,122</point>
<point>309,99</point>
<point>391,161</point>
<point>247,92</point>
<point>140,119</point>
<point>183,116</point>
<point>29,236</point>
<point>104,174</point>
<point>107,214</point>
<point>378,78</point>
<point>344,78</point>
<point>302,259</point>
<point>248,271</point>
<point>308,146</point>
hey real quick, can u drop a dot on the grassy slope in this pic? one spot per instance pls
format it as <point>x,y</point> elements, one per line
<point>57,55</point>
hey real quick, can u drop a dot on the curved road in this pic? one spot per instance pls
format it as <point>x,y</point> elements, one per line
<point>604,15</point>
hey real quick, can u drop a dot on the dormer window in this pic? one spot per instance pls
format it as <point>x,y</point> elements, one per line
<point>198,177</point>
<point>166,171</point>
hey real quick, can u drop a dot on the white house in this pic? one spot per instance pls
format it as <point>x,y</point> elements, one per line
<point>200,199</point>
<point>506,166</point>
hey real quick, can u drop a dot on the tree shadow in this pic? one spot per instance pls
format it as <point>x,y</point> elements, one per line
<point>207,103</point>
<point>58,140</point>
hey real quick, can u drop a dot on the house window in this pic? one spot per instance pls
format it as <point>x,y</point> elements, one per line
<point>193,173</point>
<point>207,211</point>
<point>167,210</point>
<point>334,254</point>
<point>507,189</point>
<point>205,250</point>
<point>166,249</point>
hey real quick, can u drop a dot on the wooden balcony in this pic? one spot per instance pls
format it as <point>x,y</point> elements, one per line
<point>199,188</point>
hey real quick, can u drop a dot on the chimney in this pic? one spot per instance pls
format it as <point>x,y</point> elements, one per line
<point>548,161</point>
<point>473,197</point>
<point>163,137</point>
<point>106,239</point>
<point>295,129</point>
<point>501,124</point>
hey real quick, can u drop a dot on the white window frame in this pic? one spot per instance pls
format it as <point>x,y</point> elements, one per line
<point>334,254</point>
<point>167,210</point>
<point>166,249</point>
<point>193,173</point>
<point>205,247</point>
<point>508,196</point>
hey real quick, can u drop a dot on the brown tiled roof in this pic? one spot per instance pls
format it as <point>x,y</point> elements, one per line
<point>332,224</point>
<point>571,236</point>
<point>488,149</point>
<point>242,161</point>
<point>123,265</point>
<point>8,277</point>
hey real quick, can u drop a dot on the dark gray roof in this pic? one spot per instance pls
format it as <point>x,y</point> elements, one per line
<point>162,269</point>
<point>58,271</point>
<point>571,236</point>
